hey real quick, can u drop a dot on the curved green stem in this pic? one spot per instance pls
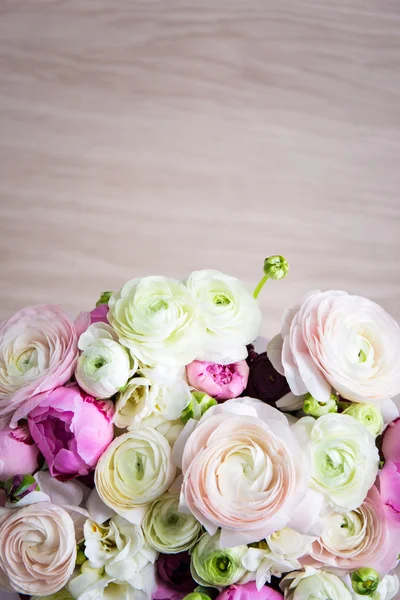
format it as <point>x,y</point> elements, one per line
<point>260,286</point>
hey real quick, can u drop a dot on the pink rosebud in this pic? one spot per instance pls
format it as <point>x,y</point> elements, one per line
<point>219,381</point>
<point>99,314</point>
<point>72,430</point>
<point>18,453</point>
<point>389,482</point>
<point>391,442</point>
<point>249,591</point>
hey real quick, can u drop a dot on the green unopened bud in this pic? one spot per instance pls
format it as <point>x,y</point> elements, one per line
<point>19,486</point>
<point>369,415</point>
<point>198,405</point>
<point>215,566</point>
<point>313,407</point>
<point>275,267</point>
<point>60,595</point>
<point>365,581</point>
<point>104,298</point>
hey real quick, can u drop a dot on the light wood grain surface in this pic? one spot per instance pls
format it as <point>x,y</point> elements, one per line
<point>144,137</point>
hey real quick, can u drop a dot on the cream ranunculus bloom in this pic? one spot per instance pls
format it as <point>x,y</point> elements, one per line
<point>343,456</point>
<point>333,339</point>
<point>158,320</point>
<point>314,585</point>
<point>171,430</point>
<point>134,470</point>
<point>231,314</point>
<point>133,403</point>
<point>38,548</point>
<point>104,366</point>
<point>168,530</point>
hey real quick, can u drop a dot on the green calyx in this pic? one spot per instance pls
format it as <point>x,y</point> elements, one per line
<point>275,267</point>
<point>365,581</point>
<point>198,405</point>
<point>313,407</point>
<point>104,298</point>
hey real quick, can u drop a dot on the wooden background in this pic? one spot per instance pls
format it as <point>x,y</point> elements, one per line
<point>158,137</point>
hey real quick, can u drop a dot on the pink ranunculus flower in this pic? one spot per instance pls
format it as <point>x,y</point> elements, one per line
<point>355,539</point>
<point>219,381</point>
<point>248,591</point>
<point>38,352</point>
<point>72,430</point>
<point>389,483</point>
<point>18,453</point>
<point>391,442</point>
<point>333,339</point>
<point>245,471</point>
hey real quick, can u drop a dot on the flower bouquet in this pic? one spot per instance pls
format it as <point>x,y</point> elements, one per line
<point>157,449</point>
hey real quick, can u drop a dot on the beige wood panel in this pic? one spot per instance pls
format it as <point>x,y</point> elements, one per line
<point>164,136</point>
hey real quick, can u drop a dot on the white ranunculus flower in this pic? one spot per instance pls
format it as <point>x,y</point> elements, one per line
<point>343,456</point>
<point>95,584</point>
<point>133,403</point>
<point>278,554</point>
<point>119,547</point>
<point>231,314</point>
<point>314,585</point>
<point>168,530</point>
<point>333,339</point>
<point>158,320</point>
<point>135,469</point>
<point>104,366</point>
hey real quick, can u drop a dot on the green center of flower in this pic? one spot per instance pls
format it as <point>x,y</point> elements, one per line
<point>140,462</point>
<point>99,362</point>
<point>27,360</point>
<point>221,300</point>
<point>223,563</point>
<point>158,305</point>
<point>362,356</point>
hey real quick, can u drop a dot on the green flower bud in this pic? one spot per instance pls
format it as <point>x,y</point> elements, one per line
<point>104,298</point>
<point>60,595</point>
<point>369,415</point>
<point>80,557</point>
<point>313,407</point>
<point>212,565</point>
<point>19,486</point>
<point>276,267</point>
<point>365,581</point>
<point>198,405</point>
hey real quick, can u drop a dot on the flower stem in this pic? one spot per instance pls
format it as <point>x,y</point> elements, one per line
<point>260,286</point>
<point>1,485</point>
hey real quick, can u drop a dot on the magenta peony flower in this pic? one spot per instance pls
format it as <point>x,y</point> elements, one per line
<point>222,382</point>
<point>72,430</point>
<point>166,592</point>
<point>391,442</point>
<point>389,481</point>
<point>18,453</point>
<point>38,352</point>
<point>249,591</point>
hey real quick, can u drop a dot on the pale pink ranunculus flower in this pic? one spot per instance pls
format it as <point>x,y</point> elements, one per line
<point>358,538</point>
<point>389,484</point>
<point>336,340</point>
<point>37,549</point>
<point>38,352</point>
<point>244,471</point>
<point>18,453</point>
<point>72,430</point>
<point>221,382</point>
<point>391,442</point>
